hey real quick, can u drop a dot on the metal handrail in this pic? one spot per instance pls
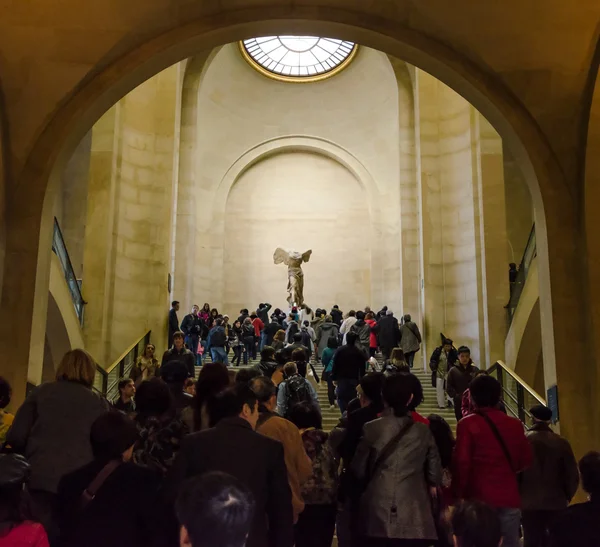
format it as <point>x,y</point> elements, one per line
<point>516,288</point>
<point>502,373</point>
<point>59,248</point>
<point>107,379</point>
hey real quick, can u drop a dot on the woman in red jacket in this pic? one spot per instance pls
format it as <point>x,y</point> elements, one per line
<point>369,320</point>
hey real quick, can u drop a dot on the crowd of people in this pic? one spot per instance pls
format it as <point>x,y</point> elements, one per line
<point>239,456</point>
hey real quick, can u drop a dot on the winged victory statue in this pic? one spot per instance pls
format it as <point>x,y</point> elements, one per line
<point>293,260</point>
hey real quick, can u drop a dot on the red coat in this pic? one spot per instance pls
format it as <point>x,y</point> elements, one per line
<point>480,468</point>
<point>26,534</point>
<point>258,326</point>
<point>372,336</point>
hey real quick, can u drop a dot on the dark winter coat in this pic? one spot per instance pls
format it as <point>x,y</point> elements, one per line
<point>126,511</point>
<point>263,313</point>
<point>452,358</point>
<point>52,430</point>
<point>184,355</point>
<point>173,324</point>
<point>388,331</point>
<point>363,331</point>
<point>349,363</point>
<point>192,325</point>
<point>552,480</point>
<point>459,378</point>
<point>264,473</point>
<point>337,316</point>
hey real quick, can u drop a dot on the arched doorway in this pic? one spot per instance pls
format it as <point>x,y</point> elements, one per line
<point>74,118</point>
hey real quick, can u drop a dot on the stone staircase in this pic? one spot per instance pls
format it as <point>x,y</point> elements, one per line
<point>332,416</point>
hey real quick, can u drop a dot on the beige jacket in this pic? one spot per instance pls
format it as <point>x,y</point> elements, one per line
<point>299,466</point>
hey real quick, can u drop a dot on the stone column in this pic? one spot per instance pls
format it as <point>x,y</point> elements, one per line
<point>494,238</point>
<point>99,242</point>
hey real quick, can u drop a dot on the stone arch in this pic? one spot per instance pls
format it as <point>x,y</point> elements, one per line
<point>107,83</point>
<point>590,165</point>
<point>216,225</point>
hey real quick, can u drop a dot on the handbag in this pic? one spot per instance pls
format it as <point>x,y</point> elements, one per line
<point>200,350</point>
<point>351,486</point>
<point>90,492</point>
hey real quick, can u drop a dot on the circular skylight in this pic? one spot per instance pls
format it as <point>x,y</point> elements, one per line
<point>298,58</point>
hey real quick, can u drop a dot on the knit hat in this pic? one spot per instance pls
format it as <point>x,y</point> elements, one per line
<point>541,412</point>
<point>112,434</point>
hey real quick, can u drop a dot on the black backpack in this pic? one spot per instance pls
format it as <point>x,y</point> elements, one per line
<point>306,339</point>
<point>297,391</point>
<point>293,330</point>
<point>218,338</point>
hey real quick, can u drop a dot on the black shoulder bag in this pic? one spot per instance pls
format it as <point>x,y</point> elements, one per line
<point>387,451</point>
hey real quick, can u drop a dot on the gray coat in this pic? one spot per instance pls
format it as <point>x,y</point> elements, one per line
<point>324,332</point>
<point>410,337</point>
<point>397,503</point>
<point>52,430</point>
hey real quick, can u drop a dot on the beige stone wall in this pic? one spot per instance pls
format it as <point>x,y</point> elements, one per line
<point>324,213</point>
<point>128,234</point>
<point>520,218</point>
<point>462,221</point>
<point>239,109</point>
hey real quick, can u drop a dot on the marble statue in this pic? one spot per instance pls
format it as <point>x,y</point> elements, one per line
<point>293,260</point>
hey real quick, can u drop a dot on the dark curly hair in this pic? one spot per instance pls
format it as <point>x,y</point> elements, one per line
<point>5,392</point>
<point>213,379</point>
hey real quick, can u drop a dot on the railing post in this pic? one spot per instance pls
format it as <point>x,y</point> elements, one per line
<point>521,402</point>
<point>104,384</point>
<point>121,368</point>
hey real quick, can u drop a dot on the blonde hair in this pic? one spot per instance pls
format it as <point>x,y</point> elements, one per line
<point>78,366</point>
<point>397,355</point>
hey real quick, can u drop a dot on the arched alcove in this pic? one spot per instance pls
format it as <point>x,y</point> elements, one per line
<point>557,219</point>
<point>318,204</point>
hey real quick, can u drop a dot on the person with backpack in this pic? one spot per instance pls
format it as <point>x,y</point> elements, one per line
<point>362,331</point>
<point>294,389</point>
<point>271,425</point>
<point>297,344</point>
<point>316,525</point>
<point>217,340</point>
<point>292,329</point>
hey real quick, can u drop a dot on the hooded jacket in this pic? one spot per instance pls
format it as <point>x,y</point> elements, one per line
<point>324,332</point>
<point>363,331</point>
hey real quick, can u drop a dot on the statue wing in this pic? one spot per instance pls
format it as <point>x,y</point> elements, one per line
<point>280,255</point>
<point>306,256</point>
